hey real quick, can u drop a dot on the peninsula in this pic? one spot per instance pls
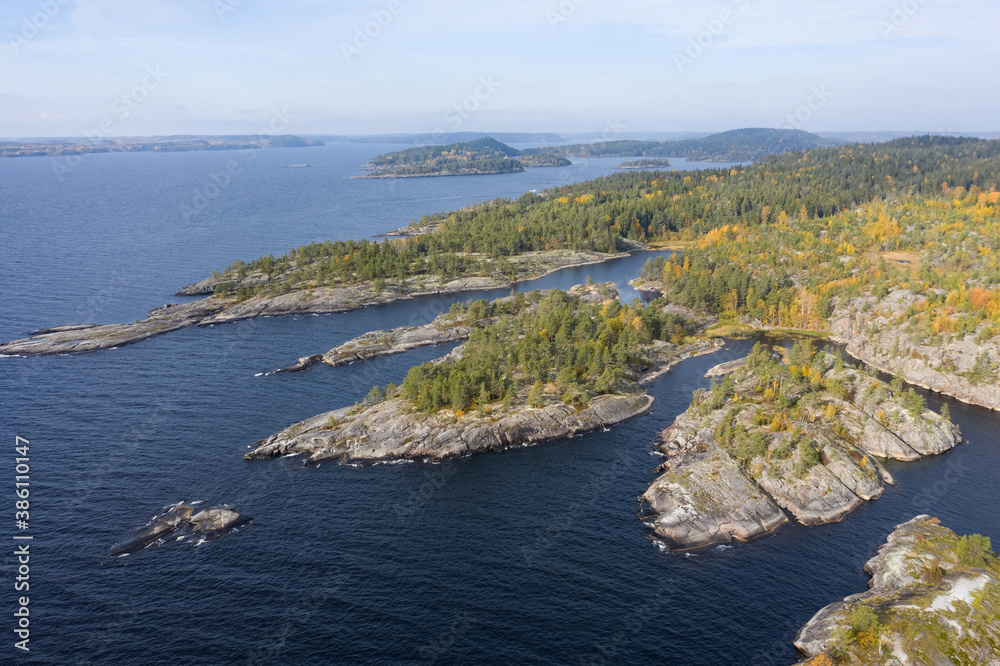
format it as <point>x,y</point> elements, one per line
<point>538,367</point>
<point>890,248</point>
<point>769,439</point>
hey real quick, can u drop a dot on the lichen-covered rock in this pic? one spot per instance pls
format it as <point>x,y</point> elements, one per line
<point>932,600</point>
<point>709,501</point>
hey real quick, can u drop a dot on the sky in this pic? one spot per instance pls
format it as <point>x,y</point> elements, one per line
<point>130,67</point>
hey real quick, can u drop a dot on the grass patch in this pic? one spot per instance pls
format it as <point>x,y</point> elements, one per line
<point>904,260</point>
<point>738,331</point>
<point>669,244</point>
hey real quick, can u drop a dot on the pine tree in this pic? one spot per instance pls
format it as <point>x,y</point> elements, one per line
<point>535,395</point>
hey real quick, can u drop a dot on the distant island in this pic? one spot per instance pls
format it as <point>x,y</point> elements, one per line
<point>741,145</point>
<point>482,156</point>
<point>645,164</point>
<point>138,144</point>
<point>446,137</point>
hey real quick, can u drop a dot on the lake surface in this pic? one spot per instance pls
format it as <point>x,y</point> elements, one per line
<point>529,556</point>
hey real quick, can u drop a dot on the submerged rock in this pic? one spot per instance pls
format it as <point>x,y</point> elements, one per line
<point>933,599</point>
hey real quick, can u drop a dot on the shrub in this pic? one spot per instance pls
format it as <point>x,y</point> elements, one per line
<point>809,457</point>
<point>933,573</point>
<point>864,620</point>
<point>974,550</point>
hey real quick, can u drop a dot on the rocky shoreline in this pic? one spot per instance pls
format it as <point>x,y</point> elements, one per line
<point>877,332</point>
<point>387,342</point>
<point>92,337</point>
<point>933,599</point>
<point>321,300</point>
<point>738,464</point>
<point>393,431</point>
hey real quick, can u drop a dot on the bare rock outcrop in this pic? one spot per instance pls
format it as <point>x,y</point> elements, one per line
<point>772,439</point>
<point>882,333</point>
<point>392,430</point>
<point>933,599</point>
<point>91,337</point>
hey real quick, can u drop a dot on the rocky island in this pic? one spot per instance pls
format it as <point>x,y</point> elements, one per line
<point>545,366</point>
<point>934,598</point>
<point>772,441</point>
<point>645,164</point>
<point>464,158</point>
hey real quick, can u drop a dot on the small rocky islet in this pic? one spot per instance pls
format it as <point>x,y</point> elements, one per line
<point>933,600</point>
<point>772,443</point>
<point>180,521</point>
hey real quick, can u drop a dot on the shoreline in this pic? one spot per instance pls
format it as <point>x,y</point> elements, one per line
<point>210,311</point>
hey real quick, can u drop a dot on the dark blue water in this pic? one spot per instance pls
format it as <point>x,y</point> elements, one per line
<point>529,556</point>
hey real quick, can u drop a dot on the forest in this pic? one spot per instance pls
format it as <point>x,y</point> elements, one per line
<point>792,271</point>
<point>552,343</point>
<point>742,145</point>
<point>599,215</point>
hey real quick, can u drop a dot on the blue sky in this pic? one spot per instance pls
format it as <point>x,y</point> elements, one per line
<point>71,67</point>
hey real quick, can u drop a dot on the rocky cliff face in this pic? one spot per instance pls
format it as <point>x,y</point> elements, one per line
<point>745,454</point>
<point>392,430</point>
<point>879,332</point>
<point>932,600</point>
